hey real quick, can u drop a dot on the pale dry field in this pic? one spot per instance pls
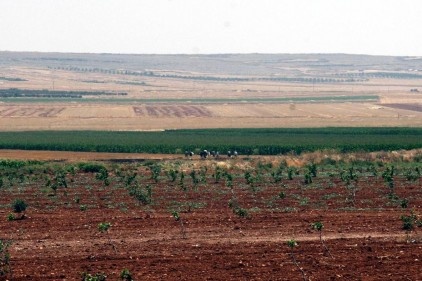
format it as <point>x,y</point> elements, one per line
<point>130,113</point>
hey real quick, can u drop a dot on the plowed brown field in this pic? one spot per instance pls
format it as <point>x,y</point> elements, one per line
<point>58,239</point>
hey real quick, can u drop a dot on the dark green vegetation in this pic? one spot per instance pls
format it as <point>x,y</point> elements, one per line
<point>12,79</point>
<point>63,96</point>
<point>245,141</point>
<point>18,93</point>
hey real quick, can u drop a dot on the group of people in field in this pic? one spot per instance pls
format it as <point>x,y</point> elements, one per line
<point>205,154</point>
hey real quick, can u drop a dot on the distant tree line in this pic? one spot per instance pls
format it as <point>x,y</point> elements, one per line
<point>12,79</point>
<point>210,78</point>
<point>18,93</point>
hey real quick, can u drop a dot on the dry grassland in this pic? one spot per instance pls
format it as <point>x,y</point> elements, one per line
<point>119,115</point>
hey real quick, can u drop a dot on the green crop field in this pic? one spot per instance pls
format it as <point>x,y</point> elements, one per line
<point>245,141</point>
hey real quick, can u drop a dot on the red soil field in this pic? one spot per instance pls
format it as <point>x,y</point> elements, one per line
<point>58,239</point>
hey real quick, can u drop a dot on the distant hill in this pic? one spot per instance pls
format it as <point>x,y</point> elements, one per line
<point>290,65</point>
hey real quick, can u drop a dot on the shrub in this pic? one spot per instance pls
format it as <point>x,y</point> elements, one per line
<point>142,194</point>
<point>19,206</point>
<point>91,167</point>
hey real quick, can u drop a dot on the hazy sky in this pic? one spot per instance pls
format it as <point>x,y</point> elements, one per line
<point>385,27</point>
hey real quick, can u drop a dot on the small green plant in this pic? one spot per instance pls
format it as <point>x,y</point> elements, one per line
<point>290,172</point>
<point>410,221</point>
<point>404,203</point>
<point>11,217</point>
<point>218,173</point>
<point>177,217</point>
<point>172,174</point>
<point>319,226</point>
<point>203,174</point>
<point>229,179</point>
<point>155,171</point>
<point>293,244</point>
<point>308,178</point>
<point>352,189</point>
<point>237,210</point>
<point>125,275</point>
<point>277,174</point>
<point>312,169</point>
<point>103,176</point>
<point>412,174</point>
<point>104,227</point>
<point>282,195</point>
<point>249,178</point>
<point>388,176</point>
<point>5,267</point>
<point>195,179</point>
<point>182,182</point>
<point>142,194</point>
<point>95,277</point>
<point>241,212</point>
<point>59,180</point>
<point>349,175</point>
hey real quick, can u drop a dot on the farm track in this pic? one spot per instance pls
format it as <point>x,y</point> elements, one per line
<point>81,156</point>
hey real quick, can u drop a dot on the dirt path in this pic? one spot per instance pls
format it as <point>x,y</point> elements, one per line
<point>81,156</point>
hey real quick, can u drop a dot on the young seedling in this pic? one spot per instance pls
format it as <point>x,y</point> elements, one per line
<point>142,194</point>
<point>292,244</point>
<point>125,275</point>
<point>319,226</point>
<point>409,223</point>
<point>172,174</point>
<point>312,169</point>
<point>218,173</point>
<point>155,171</point>
<point>177,217</point>
<point>182,181</point>
<point>237,210</point>
<point>195,179</point>
<point>95,277</point>
<point>290,173</point>
<point>10,217</point>
<point>308,178</point>
<point>203,174</point>
<point>277,174</point>
<point>104,227</point>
